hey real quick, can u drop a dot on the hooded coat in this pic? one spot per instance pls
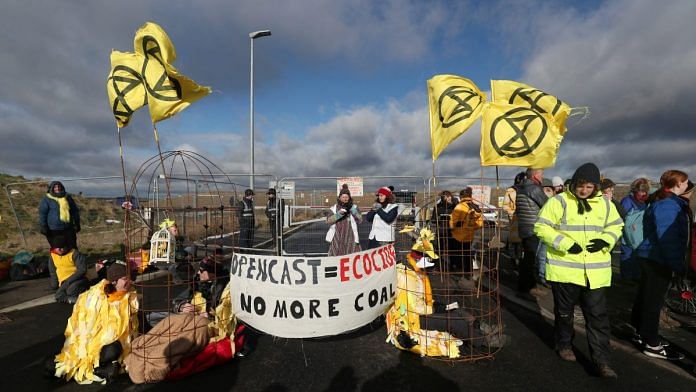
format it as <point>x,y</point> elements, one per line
<point>50,211</point>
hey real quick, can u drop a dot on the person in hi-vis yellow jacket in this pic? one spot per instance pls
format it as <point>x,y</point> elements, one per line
<point>579,228</point>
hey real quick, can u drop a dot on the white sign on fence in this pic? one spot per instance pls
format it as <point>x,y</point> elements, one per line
<point>481,193</point>
<point>305,297</point>
<point>355,185</point>
<point>287,190</point>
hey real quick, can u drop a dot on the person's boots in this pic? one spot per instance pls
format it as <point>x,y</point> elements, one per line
<point>606,371</point>
<point>108,372</point>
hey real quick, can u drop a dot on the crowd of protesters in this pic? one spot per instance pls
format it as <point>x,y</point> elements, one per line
<point>568,231</point>
<point>561,236</point>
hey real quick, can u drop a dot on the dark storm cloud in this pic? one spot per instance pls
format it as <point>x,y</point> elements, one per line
<point>632,63</point>
<point>53,102</point>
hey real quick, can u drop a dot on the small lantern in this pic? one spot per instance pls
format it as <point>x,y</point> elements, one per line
<point>162,243</point>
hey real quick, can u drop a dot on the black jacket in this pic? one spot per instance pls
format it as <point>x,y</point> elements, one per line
<point>246,213</point>
<point>530,199</point>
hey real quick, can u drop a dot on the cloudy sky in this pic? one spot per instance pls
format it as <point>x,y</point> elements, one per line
<point>340,86</point>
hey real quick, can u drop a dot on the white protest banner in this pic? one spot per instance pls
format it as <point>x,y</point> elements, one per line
<point>355,185</point>
<point>306,297</point>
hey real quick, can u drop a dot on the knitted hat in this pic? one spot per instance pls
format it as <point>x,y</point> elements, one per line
<point>587,172</point>
<point>248,192</point>
<point>344,190</point>
<point>606,183</point>
<point>384,191</point>
<point>116,271</point>
<point>557,181</point>
<point>546,183</point>
<point>271,191</point>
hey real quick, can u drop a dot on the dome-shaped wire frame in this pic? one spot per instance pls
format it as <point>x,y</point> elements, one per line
<point>177,227</point>
<point>451,310</point>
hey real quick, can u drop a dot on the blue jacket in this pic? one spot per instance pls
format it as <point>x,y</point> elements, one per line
<point>49,212</point>
<point>665,233</point>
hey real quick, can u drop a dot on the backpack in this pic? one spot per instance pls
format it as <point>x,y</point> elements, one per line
<point>633,228</point>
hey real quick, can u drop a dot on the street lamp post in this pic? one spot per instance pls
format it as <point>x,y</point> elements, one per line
<point>252,37</point>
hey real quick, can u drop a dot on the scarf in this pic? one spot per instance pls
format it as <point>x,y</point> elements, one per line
<point>583,204</point>
<point>63,205</point>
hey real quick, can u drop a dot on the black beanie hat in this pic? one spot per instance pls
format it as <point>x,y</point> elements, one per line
<point>344,190</point>
<point>587,172</point>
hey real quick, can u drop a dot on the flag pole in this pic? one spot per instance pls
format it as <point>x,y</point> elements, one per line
<point>126,199</point>
<point>164,172</point>
<point>434,177</point>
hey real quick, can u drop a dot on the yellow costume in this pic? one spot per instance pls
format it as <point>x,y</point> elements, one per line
<point>97,320</point>
<point>225,321</point>
<point>414,299</point>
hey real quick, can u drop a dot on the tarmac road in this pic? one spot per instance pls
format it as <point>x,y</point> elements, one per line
<point>361,361</point>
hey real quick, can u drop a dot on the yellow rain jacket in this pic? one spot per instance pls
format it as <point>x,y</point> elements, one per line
<point>95,322</point>
<point>465,220</point>
<point>559,226</point>
<point>413,299</point>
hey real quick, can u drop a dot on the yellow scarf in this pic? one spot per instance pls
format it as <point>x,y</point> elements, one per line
<point>95,322</point>
<point>64,207</point>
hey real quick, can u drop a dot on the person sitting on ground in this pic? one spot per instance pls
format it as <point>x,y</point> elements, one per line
<point>430,326</point>
<point>67,269</point>
<point>206,289</point>
<point>100,330</point>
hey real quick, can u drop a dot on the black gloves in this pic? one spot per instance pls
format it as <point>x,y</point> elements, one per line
<point>575,249</point>
<point>596,245</point>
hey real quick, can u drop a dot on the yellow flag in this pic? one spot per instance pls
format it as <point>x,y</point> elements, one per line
<point>520,94</point>
<point>125,86</point>
<point>455,104</point>
<point>168,91</point>
<point>513,135</point>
